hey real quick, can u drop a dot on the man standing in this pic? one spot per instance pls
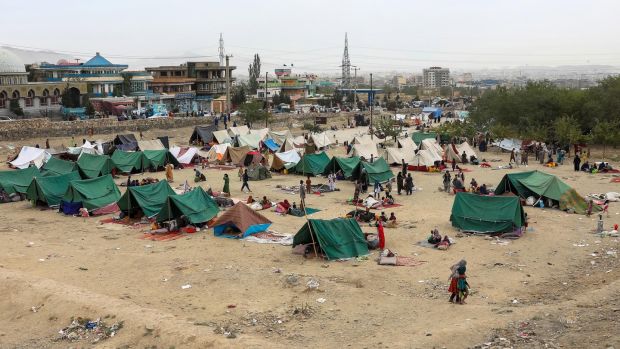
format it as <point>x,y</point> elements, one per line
<point>512,155</point>
<point>577,162</point>
<point>302,194</point>
<point>245,178</point>
<point>404,167</point>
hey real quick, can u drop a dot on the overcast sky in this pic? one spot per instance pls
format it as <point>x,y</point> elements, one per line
<point>384,35</point>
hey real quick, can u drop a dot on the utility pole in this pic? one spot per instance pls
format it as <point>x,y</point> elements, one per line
<point>266,101</point>
<point>372,106</point>
<point>355,69</point>
<point>227,85</point>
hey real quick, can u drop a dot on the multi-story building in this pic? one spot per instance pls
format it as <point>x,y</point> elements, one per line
<point>210,81</point>
<point>173,80</point>
<point>435,77</point>
<point>42,98</point>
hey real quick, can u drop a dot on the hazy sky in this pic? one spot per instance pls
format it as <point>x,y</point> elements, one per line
<point>384,35</point>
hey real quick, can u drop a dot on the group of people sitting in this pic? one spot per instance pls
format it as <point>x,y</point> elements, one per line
<point>143,181</point>
<point>458,184</point>
<point>596,167</point>
<point>285,207</point>
<point>263,204</point>
<point>439,242</point>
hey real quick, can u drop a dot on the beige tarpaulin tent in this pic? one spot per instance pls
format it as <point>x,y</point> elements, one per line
<point>236,155</point>
<point>321,140</point>
<point>216,153</point>
<point>222,136</point>
<point>251,140</point>
<point>396,155</point>
<point>367,139</point>
<point>239,130</point>
<point>154,144</point>
<point>455,151</point>
<point>262,133</point>
<point>365,151</point>
<point>431,144</point>
<point>280,136</point>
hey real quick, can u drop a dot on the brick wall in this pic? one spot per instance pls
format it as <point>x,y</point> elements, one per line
<point>42,128</point>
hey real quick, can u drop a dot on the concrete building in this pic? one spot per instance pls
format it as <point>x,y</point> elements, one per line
<point>34,98</point>
<point>436,77</point>
<point>398,81</point>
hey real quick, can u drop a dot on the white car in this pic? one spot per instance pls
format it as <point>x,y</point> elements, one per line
<point>5,118</point>
<point>158,116</point>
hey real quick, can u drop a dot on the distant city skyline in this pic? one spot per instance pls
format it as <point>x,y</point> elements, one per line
<point>401,36</point>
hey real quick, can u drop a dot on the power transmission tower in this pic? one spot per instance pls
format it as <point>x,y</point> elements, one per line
<point>222,54</point>
<point>346,65</point>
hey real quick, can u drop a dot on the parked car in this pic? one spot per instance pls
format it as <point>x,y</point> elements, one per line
<point>5,118</point>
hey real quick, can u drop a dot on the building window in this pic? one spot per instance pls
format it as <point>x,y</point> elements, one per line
<point>163,73</point>
<point>30,99</point>
<point>3,98</point>
<point>56,96</point>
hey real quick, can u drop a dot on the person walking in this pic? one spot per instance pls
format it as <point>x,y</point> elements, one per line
<point>512,155</point>
<point>399,182</point>
<point>226,189</point>
<point>447,178</point>
<point>577,162</point>
<point>458,282</point>
<point>308,185</point>
<point>302,194</point>
<point>409,184</point>
<point>245,179</point>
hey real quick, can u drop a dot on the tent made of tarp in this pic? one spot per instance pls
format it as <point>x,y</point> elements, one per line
<point>397,155</point>
<point>17,181</point>
<point>258,172</point>
<point>367,139</point>
<point>92,166</point>
<point>55,167</point>
<point>149,198</point>
<point>128,138</point>
<point>271,144</point>
<point>238,130</point>
<point>30,156</point>
<point>50,189</point>
<point>250,140</point>
<point>222,136</point>
<point>242,220</point>
<point>196,205</point>
<point>129,161</point>
<point>542,185</point>
<point>94,148</point>
<point>215,153</point>
<point>509,144</point>
<point>312,164</point>
<point>407,144</point>
<point>321,140</point>
<point>236,155</point>
<point>287,159</point>
<point>289,144</point>
<point>184,155</point>
<point>455,151</point>
<point>365,150</point>
<point>425,158</point>
<point>165,141</point>
<point>432,145</point>
<point>93,193</point>
<point>159,158</point>
<point>280,136</point>
<point>417,137</point>
<point>202,134</point>
<point>338,238</point>
<point>154,144</point>
<point>262,133</point>
<point>347,165</point>
<point>433,112</point>
<point>378,170</point>
<point>487,214</point>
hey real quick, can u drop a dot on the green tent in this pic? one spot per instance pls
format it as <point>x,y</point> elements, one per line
<point>196,205</point>
<point>338,238</point>
<point>418,137</point>
<point>258,173</point>
<point>487,214</point>
<point>312,164</point>
<point>150,198</point>
<point>159,158</point>
<point>93,166</point>
<point>542,185</point>
<point>129,161</point>
<point>347,165</point>
<point>50,189</point>
<point>55,167</point>
<point>93,193</point>
<point>379,170</point>
<point>17,181</point>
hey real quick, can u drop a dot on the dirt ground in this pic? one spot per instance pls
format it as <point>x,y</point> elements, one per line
<point>555,287</point>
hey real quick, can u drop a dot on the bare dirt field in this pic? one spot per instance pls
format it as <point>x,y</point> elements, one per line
<point>556,287</point>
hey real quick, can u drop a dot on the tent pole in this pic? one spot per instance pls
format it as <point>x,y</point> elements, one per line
<point>303,202</point>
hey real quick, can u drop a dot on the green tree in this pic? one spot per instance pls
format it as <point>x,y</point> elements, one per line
<point>337,97</point>
<point>385,127</point>
<point>15,108</point>
<point>567,131</point>
<point>90,109</point>
<point>69,99</point>
<point>606,133</point>
<point>254,112</point>
<point>238,95</point>
<point>254,74</point>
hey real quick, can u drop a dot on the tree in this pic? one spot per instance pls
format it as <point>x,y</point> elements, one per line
<point>337,97</point>
<point>385,127</point>
<point>69,99</point>
<point>126,86</point>
<point>238,95</point>
<point>253,112</point>
<point>90,109</point>
<point>254,74</point>
<point>606,133</point>
<point>567,131</point>
<point>15,108</point>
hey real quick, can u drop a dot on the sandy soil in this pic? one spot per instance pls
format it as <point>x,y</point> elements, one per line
<point>555,287</point>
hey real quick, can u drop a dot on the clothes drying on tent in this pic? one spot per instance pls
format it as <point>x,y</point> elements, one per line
<point>336,238</point>
<point>196,205</point>
<point>55,167</point>
<point>17,181</point>
<point>202,134</point>
<point>30,156</point>
<point>346,165</point>
<point>487,214</point>
<point>92,166</point>
<point>93,193</point>
<point>50,189</point>
<point>240,221</point>
<point>312,164</point>
<point>149,198</point>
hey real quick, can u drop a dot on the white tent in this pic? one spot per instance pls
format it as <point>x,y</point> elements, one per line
<point>298,141</point>
<point>222,136</point>
<point>289,144</point>
<point>280,136</point>
<point>184,155</point>
<point>28,155</point>
<point>431,144</point>
<point>216,152</point>
<point>321,140</point>
<point>263,133</point>
<point>154,144</point>
<point>425,157</point>
<point>396,155</point>
<point>251,140</point>
<point>365,150</point>
<point>88,148</point>
<point>366,139</point>
<point>407,143</point>
<point>239,130</point>
<point>509,144</point>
